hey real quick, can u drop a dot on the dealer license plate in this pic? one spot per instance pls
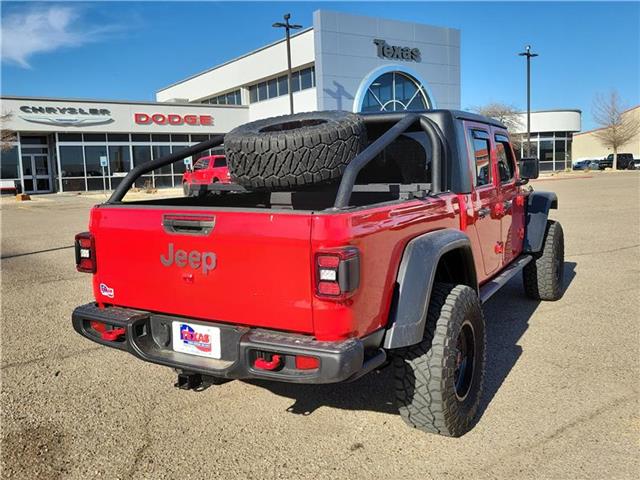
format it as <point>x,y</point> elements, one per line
<point>196,339</point>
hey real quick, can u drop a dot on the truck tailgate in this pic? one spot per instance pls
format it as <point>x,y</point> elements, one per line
<point>242,267</point>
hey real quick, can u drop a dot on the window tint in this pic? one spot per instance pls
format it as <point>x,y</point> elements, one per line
<point>9,164</point>
<point>201,164</point>
<point>305,79</point>
<point>295,81</point>
<point>262,91</point>
<point>283,85</point>
<point>118,137</point>
<point>482,157</point>
<point>70,137</point>
<point>220,162</point>
<point>506,163</point>
<point>253,93</point>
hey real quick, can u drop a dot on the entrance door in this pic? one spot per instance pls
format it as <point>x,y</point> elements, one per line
<point>36,173</point>
<point>486,197</point>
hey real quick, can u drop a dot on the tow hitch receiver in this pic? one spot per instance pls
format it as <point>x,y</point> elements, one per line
<point>189,381</point>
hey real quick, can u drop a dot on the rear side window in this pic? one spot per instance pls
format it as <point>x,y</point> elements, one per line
<point>220,162</point>
<point>506,163</point>
<point>482,157</point>
<point>201,164</point>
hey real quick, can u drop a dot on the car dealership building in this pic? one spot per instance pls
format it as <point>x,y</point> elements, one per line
<point>343,62</point>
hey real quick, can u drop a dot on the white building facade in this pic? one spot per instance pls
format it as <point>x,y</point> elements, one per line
<point>551,137</point>
<point>344,62</point>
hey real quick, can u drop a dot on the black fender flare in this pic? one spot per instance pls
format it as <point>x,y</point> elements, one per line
<point>538,206</point>
<point>415,279</point>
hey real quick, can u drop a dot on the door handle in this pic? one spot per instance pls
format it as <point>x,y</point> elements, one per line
<point>189,224</point>
<point>483,212</point>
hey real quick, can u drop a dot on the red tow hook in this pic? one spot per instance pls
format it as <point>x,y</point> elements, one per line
<point>263,364</point>
<point>113,334</point>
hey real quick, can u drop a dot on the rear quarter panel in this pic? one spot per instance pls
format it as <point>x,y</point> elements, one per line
<point>381,235</point>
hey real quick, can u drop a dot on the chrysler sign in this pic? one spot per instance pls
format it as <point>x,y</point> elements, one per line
<point>65,116</point>
<point>394,52</point>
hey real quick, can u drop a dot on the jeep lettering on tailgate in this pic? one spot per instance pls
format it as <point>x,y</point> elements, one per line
<point>195,259</point>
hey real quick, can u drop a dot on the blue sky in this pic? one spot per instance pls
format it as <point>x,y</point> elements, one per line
<point>118,50</point>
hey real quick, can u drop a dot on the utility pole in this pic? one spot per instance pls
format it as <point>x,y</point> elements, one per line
<point>527,53</point>
<point>288,27</point>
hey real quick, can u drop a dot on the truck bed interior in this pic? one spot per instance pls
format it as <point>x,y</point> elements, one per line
<point>401,172</point>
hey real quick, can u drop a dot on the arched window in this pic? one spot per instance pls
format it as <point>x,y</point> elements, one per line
<point>394,92</point>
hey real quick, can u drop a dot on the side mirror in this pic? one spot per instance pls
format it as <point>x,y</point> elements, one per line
<point>529,168</point>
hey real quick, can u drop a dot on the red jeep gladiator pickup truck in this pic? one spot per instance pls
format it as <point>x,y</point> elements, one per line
<point>206,171</point>
<point>344,244</point>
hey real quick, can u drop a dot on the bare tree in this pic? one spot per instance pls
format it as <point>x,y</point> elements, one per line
<point>616,128</point>
<point>7,137</point>
<point>506,114</point>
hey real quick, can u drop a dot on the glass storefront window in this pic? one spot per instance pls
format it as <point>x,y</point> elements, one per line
<point>118,137</point>
<point>561,159</point>
<point>141,154</point>
<point>140,137</point>
<point>9,164</point>
<point>70,137</point>
<point>158,152</point>
<point>71,162</point>
<point>119,159</point>
<point>92,156</point>
<point>95,137</point>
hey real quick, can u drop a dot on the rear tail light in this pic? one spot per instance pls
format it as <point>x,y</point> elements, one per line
<point>85,253</point>
<point>337,273</point>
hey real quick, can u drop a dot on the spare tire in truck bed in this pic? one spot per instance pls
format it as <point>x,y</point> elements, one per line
<point>290,151</point>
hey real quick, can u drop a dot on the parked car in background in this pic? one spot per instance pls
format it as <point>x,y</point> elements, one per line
<point>582,164</point>
<point>623,161</point>
<point>207,170</point>
<point>635,165</point>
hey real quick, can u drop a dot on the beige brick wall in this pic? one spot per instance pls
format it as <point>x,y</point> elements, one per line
<point>587,145</point>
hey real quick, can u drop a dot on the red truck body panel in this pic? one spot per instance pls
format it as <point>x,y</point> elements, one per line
<point>262,275</point>
<point>264,268</point>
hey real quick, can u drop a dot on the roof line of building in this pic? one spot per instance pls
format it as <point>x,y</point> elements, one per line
<point>554,110</point>
<point>118,102</point>
<point>301,32</point>
<point>604,128</point>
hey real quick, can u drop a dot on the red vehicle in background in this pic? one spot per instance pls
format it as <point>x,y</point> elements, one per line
<point>207,170</point>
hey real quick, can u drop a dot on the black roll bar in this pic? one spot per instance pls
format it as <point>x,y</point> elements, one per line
<point>368,154</point>
<point>140,170</point>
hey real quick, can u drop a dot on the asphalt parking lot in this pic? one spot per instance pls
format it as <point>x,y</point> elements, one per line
<point>561,398</point>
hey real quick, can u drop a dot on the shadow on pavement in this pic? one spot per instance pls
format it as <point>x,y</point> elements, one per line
<point>507,315</point>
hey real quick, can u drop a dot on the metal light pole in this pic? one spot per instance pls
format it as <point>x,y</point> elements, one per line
<point>527,53</point>
<point>288,27</point>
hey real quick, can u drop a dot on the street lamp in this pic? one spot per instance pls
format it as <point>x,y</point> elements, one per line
<point>288,27</point>
<point>527,53</point>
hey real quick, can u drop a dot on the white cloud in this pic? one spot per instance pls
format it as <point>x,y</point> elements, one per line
<point>45,28</point>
